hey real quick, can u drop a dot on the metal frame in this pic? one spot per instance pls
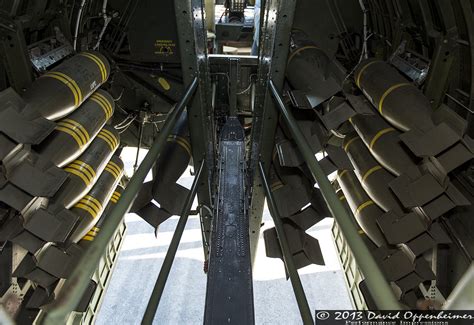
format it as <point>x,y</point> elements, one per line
<point>75,286</point>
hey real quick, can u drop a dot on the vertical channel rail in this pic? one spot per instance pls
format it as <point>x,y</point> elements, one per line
<point>300,296</point>
<point>376,283</point>
<point>75,286</point>
<point>171,253</point>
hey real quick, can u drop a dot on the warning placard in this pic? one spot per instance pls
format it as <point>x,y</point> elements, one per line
<point>164,47</point>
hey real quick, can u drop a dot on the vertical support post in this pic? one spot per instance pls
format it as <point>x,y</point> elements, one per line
<point>300,296</point>
<point>194,63</point>
<point>274,44</point>
<point>378,286</point>
<point>140,136</point>
<point>75,286</point>
<point>171,253</point>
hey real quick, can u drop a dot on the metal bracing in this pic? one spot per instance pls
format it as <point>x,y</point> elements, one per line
<point>276,24</point>
<point>195,64</point>
<point>300,296</point>
<point>171,253</point>
<point>75,286</point>
<point>378,286</point>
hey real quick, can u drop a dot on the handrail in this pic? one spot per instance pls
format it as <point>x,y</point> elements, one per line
<point>300,296</point>
<point>171,253</point>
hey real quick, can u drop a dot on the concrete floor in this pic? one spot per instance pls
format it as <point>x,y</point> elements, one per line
<point>183,299</point>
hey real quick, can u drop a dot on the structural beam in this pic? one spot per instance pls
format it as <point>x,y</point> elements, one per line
<point>377,284</point>
<point>75,286</point>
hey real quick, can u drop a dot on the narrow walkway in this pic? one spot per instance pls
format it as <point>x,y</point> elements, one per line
<point>183,299</point>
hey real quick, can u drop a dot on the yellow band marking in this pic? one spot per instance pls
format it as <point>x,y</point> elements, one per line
<point>350,142</point>
<point>114,167</point>
<point>363,206</point>
<point>81,170</point>
<point>106,111</point>
<point>76,126</point>
<point>342,173</point>
<point>86,208</point>
<point>64,81</point>
<point>104,101</point>
<point>379,134</point>
<point>301,49</point>
<point>183,142</point>
<point>73,128</point>
<point>370,172</point>
<point>115,197</point>
<point>100,64</point>
<point>71,133</point>
<point>110,136</point>
<point>107,140</point>
<point>118,172</point>
<point>93,200</point>
<point>89,168</point>
<point>362,70</point>
<point>79,174</point>
<point>342,198</point>
<point>388,91</point>
<point>119,168</point>
<point>70,83</point>
<point>89,238</point>
<point>112,171</point>
<point>361,232</point>
<point>82,166</point>
<point>90,206</point>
